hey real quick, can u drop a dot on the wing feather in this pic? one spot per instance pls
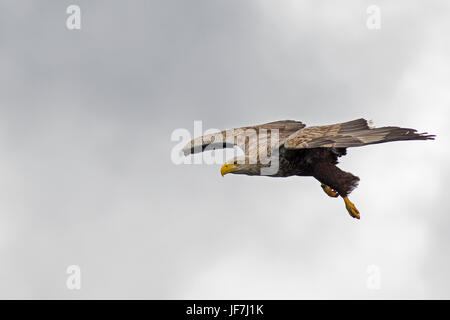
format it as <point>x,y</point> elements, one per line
<point>354,133</point>
<point>243,137</point>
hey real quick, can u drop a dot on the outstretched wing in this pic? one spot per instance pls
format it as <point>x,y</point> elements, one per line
<point>244,137</point>
<point>354,133</point>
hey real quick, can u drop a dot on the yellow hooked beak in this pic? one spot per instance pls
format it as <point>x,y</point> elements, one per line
<point>227,168</point>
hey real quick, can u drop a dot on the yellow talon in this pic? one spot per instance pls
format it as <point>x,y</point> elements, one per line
<point>330,192</point>
<point>351,208</point>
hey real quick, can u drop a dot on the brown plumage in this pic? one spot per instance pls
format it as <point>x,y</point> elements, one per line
<point>302,151</point>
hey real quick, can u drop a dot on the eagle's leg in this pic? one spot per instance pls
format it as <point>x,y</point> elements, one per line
<point>335,179</point>
<point>351,208</point>
<point>330,192</point>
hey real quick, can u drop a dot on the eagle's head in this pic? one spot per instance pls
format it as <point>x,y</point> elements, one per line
<point>241,166</point>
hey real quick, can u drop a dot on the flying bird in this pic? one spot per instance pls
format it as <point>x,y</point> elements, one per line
<point>297,150</point>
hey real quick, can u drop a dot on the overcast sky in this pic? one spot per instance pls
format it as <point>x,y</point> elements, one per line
<point>86,176</point>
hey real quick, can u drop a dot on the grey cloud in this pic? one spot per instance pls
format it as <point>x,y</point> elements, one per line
<point>86,177</point>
